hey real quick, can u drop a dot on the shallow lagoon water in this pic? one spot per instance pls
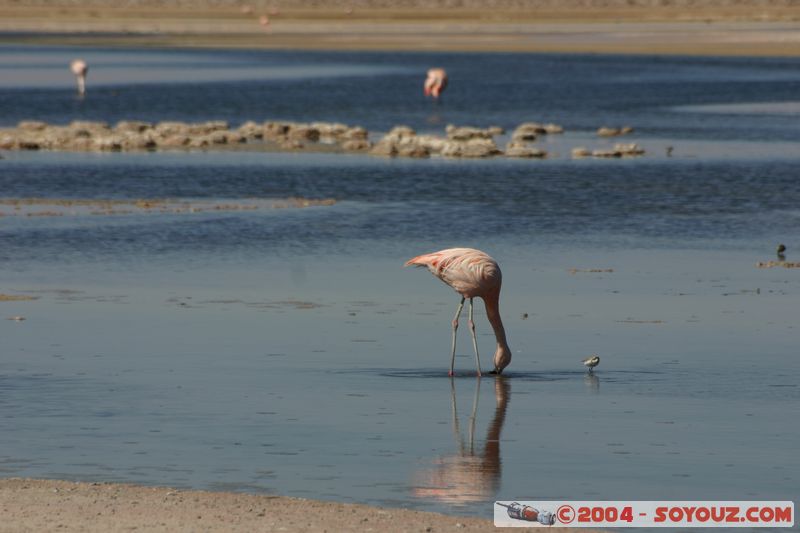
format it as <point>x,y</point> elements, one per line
<point>381,89</point>
<point>328,379</point>
<point>288,351</point>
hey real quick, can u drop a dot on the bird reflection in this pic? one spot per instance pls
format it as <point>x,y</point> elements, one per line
<point>470,475</point>
<point>592,382</point>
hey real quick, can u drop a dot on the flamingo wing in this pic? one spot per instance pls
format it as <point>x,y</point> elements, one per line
<point>470,272</point>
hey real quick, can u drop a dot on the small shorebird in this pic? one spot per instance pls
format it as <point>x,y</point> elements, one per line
<point>591,362</point>
<point>781,252</point>
<point>471,273</point>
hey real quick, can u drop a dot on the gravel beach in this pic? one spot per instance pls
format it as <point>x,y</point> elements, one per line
<point>694,27</point>
<point>40,505</point>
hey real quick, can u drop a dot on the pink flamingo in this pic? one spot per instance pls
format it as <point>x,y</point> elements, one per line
<point>436,82</point>
<point>80,68</point>
<point>471,273</point>
<point>264,21</point>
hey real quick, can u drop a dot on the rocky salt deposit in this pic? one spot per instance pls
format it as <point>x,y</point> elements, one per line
<point>463,142</point>
<point>401,141</point>
<point>606,131</point>
<point>133,135</point>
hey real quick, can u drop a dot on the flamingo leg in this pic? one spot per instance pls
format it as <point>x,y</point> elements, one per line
<point>455,328</point>
<point>474,340</point>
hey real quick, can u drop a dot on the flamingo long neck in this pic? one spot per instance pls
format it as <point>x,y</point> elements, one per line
<point>492,301</point>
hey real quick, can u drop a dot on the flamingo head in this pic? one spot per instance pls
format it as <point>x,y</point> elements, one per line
<point>502,358</point>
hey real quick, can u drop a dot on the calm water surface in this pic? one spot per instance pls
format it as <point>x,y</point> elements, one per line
<point>287,350</point>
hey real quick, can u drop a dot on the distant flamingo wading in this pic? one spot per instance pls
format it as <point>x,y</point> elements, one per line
<point>436,82</point>
<point>80,69</point>
<point>471,273</point>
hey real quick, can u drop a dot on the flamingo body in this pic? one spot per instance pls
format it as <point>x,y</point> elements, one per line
<point>471,273</point>
<point>468,271</point>
<point>436,82</point>
<point>80,69</point>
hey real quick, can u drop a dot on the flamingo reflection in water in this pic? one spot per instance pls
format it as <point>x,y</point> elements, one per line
<point>470,475</point>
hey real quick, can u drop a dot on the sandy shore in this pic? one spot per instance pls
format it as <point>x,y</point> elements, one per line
<point>39,505</point>
<point>731,27</point>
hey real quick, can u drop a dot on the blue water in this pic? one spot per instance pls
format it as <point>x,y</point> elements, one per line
<point>288,351</point>
<point>378,90</point>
